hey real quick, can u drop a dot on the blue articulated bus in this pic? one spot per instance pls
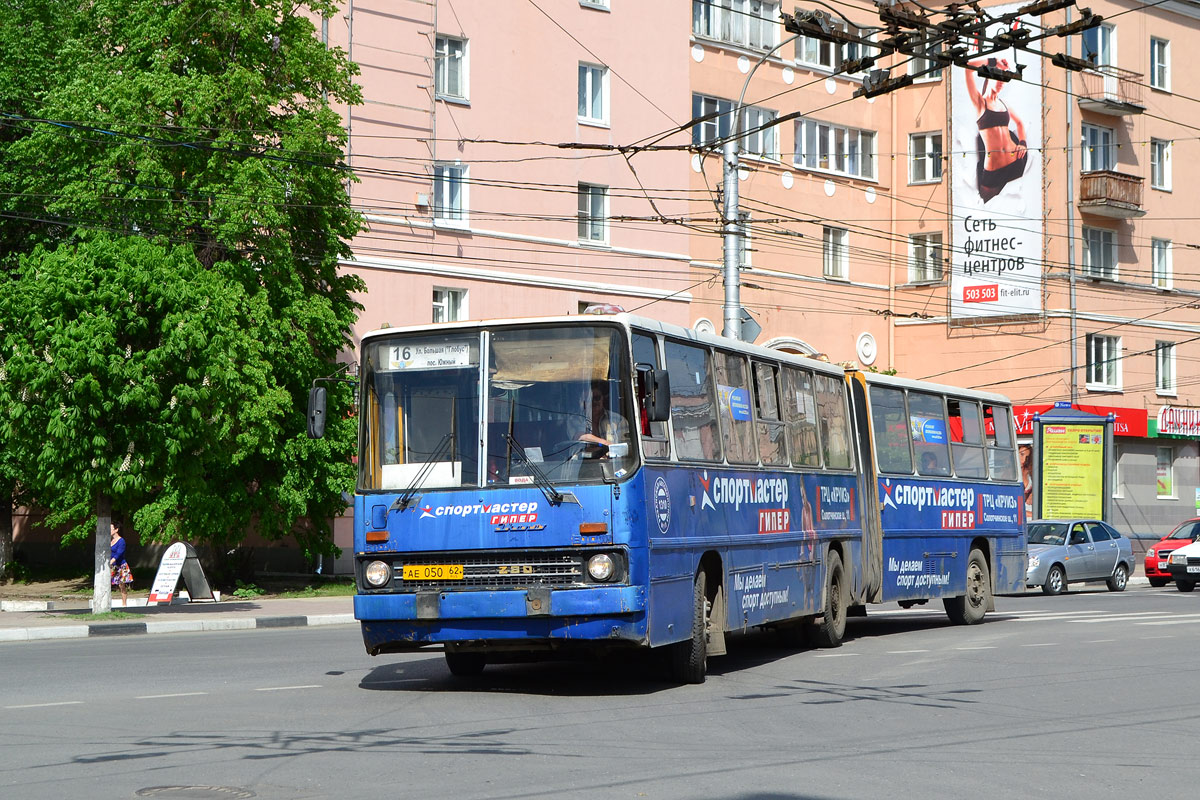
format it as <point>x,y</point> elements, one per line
<point>577,484</point>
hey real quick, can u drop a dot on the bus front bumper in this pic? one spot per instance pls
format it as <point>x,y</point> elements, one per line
<point>433,605</point>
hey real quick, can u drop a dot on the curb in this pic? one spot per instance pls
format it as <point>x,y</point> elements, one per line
<point>170,626</point>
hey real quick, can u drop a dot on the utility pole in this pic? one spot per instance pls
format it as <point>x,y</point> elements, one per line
<point>733,237</point>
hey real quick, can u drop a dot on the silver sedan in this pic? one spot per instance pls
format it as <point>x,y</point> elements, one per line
<point>1076,551</point>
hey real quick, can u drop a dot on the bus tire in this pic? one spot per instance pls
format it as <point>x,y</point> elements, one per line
<point>687,661</point>
<point>465,665</point>
<point>970,608</point>
<point>830,628</point>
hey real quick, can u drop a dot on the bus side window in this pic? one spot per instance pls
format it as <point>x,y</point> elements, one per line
<point>966,438</point>
<point>835,421</point>
<point>772,436</point>
<point>889,422</point>
<point>693,403</point>
<point>733,393</point>
<point>654,445</point>
<point>800,414</point>
<point>927,423</point>
<point>1002,456</point>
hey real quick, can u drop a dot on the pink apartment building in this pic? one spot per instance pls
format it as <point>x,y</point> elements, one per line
<point>532,158</point>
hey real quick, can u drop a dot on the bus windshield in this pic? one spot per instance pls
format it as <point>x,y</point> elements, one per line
<point>557,405</point>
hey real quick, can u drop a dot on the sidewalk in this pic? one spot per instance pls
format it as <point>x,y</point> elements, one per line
<point>61,619</point>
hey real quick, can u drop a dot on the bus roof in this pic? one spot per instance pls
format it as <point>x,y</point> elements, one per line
<point>876,378</point>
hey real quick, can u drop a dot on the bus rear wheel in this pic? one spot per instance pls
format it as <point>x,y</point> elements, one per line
<point>830,628</point>
<point>465,665</point>
<point>969,608</point>
<point>687,661</point>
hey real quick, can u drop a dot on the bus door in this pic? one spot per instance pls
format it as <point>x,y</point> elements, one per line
<point>868,491</point>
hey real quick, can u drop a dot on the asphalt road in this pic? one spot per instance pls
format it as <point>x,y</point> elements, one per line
<point>1091,694</point>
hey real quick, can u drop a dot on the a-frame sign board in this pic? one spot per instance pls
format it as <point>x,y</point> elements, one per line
<point>179,561</point>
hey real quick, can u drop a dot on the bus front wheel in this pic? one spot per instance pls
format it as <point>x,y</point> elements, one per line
<point>969,608</point>
<point>830,627</point>
<point>687,661</point>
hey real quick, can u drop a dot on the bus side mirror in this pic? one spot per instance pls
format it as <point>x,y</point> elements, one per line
<point>654,392</point>
<point>316,412</point>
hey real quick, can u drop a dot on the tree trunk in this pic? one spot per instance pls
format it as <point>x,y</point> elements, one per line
<point>102,583</point>
<point>6,538</point>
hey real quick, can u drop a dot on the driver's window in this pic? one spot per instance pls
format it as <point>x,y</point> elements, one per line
<point>1077,535</point>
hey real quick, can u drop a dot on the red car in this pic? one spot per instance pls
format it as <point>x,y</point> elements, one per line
<point>1156,556</point>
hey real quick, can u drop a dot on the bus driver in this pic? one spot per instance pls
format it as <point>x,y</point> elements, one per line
<point>601,426</point>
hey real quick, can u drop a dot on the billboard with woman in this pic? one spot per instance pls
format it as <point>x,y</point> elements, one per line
<point>996,174</point>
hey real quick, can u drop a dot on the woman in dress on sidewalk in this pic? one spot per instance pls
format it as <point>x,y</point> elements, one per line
<point>122,576</point>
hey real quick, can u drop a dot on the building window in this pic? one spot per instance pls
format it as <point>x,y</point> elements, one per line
<point>925,158</point>
<point>1166,472</point>
<point>1099,253</point>
<point>1098,151</point>
<point>449,305</point>
<point>450,68</point>
<point>593,94</point>
<point>926,68</point>
<point>1160,164</point>
<point>832,148</point>
<point>593,213</point>
<point>1160,64</point>
<point>819,53</point>
<point>924,257</point>
<point>1103,362</point>
<point>1160,263</point>
<point>834,252</point>
<point>760,141</point>
<point>751,23</point>
<point>1164,367</point>
<point>450,193</point>
<point>1098,45</point>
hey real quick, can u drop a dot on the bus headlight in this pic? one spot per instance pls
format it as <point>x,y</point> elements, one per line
<point>600,567</point>
<point>377,573</point>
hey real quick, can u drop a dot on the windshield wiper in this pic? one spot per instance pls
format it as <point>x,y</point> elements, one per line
<point>405,500</point>
<point>553,495</point>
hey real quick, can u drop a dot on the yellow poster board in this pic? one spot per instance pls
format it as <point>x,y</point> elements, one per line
<point>1072,482</point>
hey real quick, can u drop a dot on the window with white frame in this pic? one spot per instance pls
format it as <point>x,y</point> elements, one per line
<point>1099,253</point>
<point>1160,164</point>
<point>762,139</point>
<point>812,52</point>
<point>450,68</point>
<point>751,23</point>
<point>925,68</point>
<point>1098,150</point>
<point>835,257</point>
<point>450,193</point>
<point>1160,64</point>
<point>1164,367</point>
<point>924,257</point>
<point>1098,44</point>
<point>925,157</point>
<point>1103,361</point>
<point>833,148</point>
<point>593,93</point>
<point>449,305</point>
<point>593,213</point>
<point>1165,471</point>
<point>1160,263</point>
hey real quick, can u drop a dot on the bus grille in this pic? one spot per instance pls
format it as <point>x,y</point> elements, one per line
<point>497,570</point>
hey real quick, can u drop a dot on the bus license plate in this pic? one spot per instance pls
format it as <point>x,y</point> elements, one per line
<point>1193,568</point>
<point>433,572</point>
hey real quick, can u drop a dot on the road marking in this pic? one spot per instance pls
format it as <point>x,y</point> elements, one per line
<point>1167,636</point>
<point>837,655</point>
<point>1041,644</point>
<point>287,688</point>
<point>162,696</point>
<point>47,705</point>
<point>904,652</point>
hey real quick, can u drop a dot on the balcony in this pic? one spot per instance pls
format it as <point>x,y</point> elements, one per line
<point>1111,90</point>
<point>1111,194</point>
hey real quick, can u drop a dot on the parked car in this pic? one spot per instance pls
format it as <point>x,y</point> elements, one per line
<point>1076,551</point>
<point>1158,555</point>
<point>1185,566</point>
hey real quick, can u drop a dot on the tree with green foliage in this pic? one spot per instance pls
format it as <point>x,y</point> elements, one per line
<point>205,127</point>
